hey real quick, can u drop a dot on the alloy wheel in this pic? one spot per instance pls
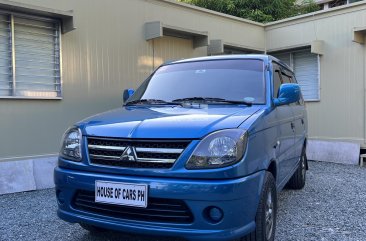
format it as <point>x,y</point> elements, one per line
<point>269,215</point>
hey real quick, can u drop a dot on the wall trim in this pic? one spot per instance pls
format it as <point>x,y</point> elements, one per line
<point>333,151</point>
<point>27,174</point>
<point>18,158</point>
<point>204,10</point>
<point>66,17</point>
<point>340,139</point>
<point>345,9</point>
<point>289,48</point>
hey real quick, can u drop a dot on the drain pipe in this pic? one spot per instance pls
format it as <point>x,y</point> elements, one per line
<point>362,154</point>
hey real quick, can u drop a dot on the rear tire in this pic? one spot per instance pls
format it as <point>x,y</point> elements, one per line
<point>92,229</point>
<point>266,213</point>
<point>298,179</point>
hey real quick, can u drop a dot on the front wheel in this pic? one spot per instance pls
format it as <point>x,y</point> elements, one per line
<point>298,179</point>
<point>266,213</point>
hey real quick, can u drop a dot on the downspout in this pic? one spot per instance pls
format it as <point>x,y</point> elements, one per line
<point>153,55</point>
<point>364,96</point>
<point>265,40</point>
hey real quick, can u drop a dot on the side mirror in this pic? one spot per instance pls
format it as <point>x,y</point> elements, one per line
<point>127,93</point>
<point>288,93</point>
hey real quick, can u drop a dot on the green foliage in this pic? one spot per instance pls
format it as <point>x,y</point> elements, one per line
<point>258,10</point>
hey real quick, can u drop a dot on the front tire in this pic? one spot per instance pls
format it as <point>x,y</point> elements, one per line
<point>266,213</point>
<point>298,179</point>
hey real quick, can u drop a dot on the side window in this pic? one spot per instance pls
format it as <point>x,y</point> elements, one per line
<point>293,80</point>
<point>286,78</point>
<point>276,80</point>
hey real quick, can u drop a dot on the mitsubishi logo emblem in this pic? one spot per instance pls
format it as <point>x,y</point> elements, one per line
<point>129,154</point>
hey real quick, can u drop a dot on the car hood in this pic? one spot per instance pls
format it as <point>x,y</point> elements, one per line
<point>165,122</point>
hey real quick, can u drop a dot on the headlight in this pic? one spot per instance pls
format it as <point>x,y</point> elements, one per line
<point>71,144</point>
<point>219,149</point>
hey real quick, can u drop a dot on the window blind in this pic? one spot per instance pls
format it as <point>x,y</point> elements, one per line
<point>30,59</point>
<point>5,56</point>
<point>306,69</point>
<point>37,58</point>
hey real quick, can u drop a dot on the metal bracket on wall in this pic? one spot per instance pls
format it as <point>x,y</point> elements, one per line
<point>157,29</point>
<point>66,17</point>
<point>359,35</point>
<point>218,46</point>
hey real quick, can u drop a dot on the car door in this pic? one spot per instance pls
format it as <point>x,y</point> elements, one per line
<point>288,77</point>
<point>284,123</point>
<point>300,124</point>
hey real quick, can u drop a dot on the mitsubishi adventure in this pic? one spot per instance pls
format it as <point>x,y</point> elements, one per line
<point>199,151</point>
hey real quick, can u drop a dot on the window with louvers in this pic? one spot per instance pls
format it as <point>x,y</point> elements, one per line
<point>5,57</point>
<point>29,57</point>
<point>306,68</point>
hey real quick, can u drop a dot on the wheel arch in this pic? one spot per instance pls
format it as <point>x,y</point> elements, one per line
<point>306,158</point>
<point>272,168</point>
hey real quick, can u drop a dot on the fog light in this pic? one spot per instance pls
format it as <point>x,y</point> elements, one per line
<point>215,214</point>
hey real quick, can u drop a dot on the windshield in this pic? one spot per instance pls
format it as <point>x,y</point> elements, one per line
<point>236,80</point>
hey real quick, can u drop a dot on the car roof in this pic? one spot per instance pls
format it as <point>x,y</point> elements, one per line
<point>264,57</point>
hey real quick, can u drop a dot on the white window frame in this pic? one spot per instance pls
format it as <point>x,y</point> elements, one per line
<point>13,54</point>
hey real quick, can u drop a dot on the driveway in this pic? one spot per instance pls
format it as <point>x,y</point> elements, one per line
<point>332,206</point>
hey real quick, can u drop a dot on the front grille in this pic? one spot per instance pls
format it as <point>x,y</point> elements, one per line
<point>157,210</point>
<point>135,154</point>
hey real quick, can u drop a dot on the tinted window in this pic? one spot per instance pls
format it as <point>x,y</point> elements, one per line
<point>286,79</point>
<point>301,101</point>
<point>276,81</point>
<point>228,79</point>
<point>293,79</point>
<point>306,66</point>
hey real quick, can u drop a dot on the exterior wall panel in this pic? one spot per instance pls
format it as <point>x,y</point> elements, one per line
<point>165,49</point>
<point>339,115</point>
<point>108,53</point>
<point>104,55</point>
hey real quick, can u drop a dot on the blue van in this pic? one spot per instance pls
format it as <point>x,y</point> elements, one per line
<point>198,151</point>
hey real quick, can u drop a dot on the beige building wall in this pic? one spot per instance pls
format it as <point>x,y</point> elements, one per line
<point>104,55</point>
<point>340,113</point>
<point>107,52</point>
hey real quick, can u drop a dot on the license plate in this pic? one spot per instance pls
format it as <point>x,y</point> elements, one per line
<point>126,194</point>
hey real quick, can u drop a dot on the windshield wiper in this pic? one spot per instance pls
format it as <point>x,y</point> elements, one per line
<point>217,100</point>
<point>152,101</point>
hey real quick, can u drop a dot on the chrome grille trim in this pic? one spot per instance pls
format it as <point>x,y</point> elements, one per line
<point>114,158</point>
<point>159,150</point>
<point>156,160</point>
<point>134,153</point>
<point>113,148</point>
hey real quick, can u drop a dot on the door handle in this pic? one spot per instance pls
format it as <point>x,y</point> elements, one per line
<point>302,121</point>
<point>278,143</point>
<point>292,125</point>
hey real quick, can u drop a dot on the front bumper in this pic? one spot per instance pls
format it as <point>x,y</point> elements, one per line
<point>237,198</point>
